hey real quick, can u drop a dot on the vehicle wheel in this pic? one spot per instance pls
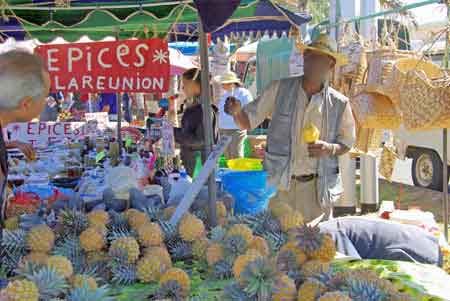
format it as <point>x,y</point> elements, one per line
<point>427,170</point>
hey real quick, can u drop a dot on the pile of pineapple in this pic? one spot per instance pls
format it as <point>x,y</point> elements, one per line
<point>269,256</point>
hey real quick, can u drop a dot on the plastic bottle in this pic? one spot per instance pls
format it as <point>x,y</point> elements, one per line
<point>198,165</point>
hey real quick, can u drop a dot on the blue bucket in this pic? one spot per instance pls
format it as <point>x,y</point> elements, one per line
<point>249,190</point>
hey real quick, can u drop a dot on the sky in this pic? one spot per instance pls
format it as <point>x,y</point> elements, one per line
<point>429,13</point>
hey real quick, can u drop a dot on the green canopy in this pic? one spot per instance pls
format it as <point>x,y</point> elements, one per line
<point>71,20</point>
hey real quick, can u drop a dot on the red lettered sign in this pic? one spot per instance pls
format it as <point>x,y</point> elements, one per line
<point>119,66</point>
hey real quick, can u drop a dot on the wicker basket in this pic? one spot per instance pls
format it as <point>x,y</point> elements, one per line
<point>379,72</point>
<point>387,162</point>
<point>368,140</point>
<point>423,92</point>
<point>375,111</point>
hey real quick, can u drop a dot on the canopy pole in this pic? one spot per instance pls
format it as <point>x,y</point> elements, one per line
<point>119,107</point>
<point>445,138</point>
<point>205,98</point>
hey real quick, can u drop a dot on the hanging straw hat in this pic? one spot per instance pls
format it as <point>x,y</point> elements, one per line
<point>324,45</point>
<point>228,78</point>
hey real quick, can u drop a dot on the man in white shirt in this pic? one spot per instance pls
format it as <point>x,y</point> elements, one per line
<point>228,127</point>
<point>25,85</point>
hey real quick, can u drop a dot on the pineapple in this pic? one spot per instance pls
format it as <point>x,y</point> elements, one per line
<point>313,268</point>
<point>41,239</point>
<point>36,258</point>
<point>171,290</point>
<point>92,239</point>
<point>260,244</point>
<point>310,133</point>
<point>311,290</point>
<point>70,247</point>
<point>22,290</point>
<point>199,248</point>
<point>93,258</point>
<point>61,265</point>
<point>300,255</point>
<point>161,253</point>
<point>136,218</point>
<point>278,209</point>
<point>98,217</point>
<point>223,269</point>
<point>50,284</point>
<point>327,250</point>
<point>242,262</point>
<point>180,250</point>
<point>258,279</point>
<point>291,220</point>
<point>82,280</point>
<point>191,228</point>
<point>243,231</point>
<point>127,247</point>
<point>235,245</point>
<point>150,269</point>
<point>284,289</point>
<point>217,234</point>
<point>335,296</point>
<point>287,262</point>
<point>12,223</point>
<point>180,277</point>
<point>168,212</point>
<point>150,235</point>
<point>214,254</point>
<point>316,245</point>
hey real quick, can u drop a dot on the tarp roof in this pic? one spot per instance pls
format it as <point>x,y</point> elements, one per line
<point>46,20</point>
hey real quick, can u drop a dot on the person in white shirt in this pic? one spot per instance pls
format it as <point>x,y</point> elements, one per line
<point>228,127</point>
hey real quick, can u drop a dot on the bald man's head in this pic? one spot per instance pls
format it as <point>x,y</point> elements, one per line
<point>24,84</point>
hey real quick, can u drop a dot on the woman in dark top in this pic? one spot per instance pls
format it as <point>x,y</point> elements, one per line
<point>190,136</point>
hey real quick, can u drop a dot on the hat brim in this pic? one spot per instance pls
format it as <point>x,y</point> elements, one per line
<point>231,81</point>
<point>340,59</point>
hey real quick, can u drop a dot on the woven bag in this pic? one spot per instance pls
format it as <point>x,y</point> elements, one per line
<point>424,94</point>
<point>375,111</point>
<point>368,140</point>
<point>387,162</point>
<point>380,68</point>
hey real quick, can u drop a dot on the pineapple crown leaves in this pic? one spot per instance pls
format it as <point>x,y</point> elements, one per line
<point>86,293</point>
<point>362,290</point>
<point>223,269</point>
<point>48,281</point>
<point>309,238</point>
<point>170,232</point>
<point>217,234</point>
<point>154,213</point>
<point>14,241</point>
<point>235,245</point>
<point>275,240</point>
<point>259,277</point>
<point>234,292</point>
<point>10,260</point>
<point>171,290</point>
<point>117,221</point>
<point>119,233</point>
<point>180,250</point>
<point>70,248</point>
<point>73,221</point>
<point>123,274</point>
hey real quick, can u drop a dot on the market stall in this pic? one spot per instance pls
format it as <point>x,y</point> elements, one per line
<point>86,223</point>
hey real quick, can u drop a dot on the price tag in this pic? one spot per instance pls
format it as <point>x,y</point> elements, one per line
<point>100,156</point>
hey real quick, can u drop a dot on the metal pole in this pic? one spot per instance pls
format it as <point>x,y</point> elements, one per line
<point>207,121</point>
<point>444,139</point>
<point>119,122</point>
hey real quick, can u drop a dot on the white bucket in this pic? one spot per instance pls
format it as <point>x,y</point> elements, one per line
<point>150,190</point>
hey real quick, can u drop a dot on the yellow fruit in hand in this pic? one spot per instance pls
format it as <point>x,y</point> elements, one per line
<point>311,133</point>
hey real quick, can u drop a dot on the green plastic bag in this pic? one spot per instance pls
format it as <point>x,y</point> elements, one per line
<point>198,164</point>
<point>247,149</point>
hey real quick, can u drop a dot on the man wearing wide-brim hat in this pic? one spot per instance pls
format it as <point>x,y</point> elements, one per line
<point>307,175</point>
<point>232,87</point>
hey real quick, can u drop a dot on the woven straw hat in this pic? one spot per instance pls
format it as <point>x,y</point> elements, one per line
<point>229,78</point>
<point>324,45</point>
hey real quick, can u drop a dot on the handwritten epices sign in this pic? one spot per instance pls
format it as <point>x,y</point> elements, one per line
<point>120,66</point>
